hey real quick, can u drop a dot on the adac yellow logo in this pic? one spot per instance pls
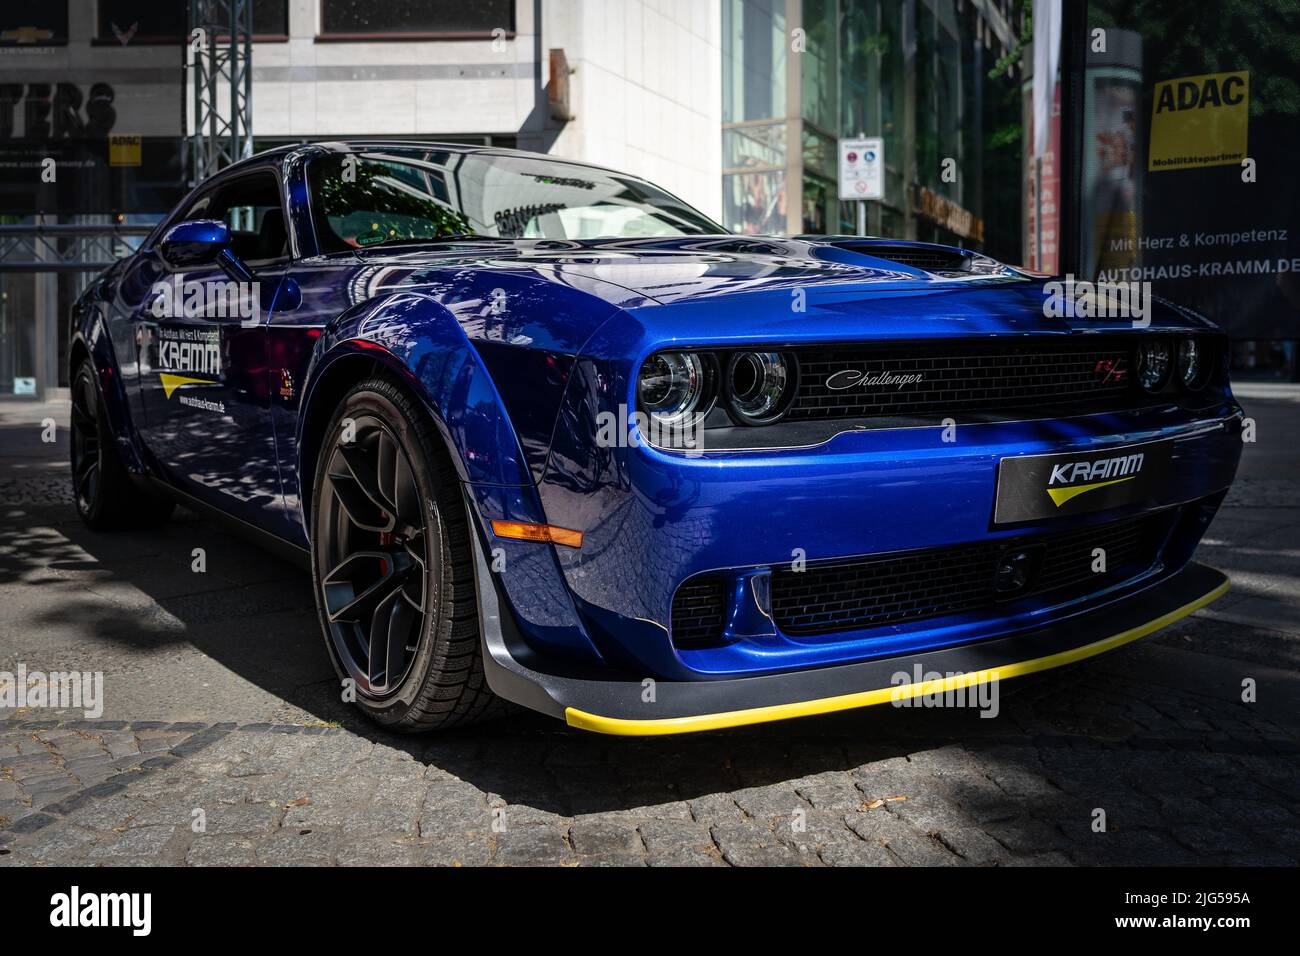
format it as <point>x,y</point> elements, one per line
<point>1073,478</point>
<point>1199,121</point>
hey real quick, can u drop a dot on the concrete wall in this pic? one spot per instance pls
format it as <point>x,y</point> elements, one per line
<point>646,90</point>
<point>429,88</point>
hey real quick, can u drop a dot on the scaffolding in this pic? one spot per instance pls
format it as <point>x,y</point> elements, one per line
<point>218,62</point>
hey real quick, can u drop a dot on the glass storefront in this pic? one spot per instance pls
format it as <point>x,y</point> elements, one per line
<point>17,333</point>
<point>915,73</point>
<point>755,132</point>
<point>1191,127</point>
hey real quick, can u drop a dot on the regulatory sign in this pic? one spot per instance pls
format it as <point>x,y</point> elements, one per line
<point>862,168</point>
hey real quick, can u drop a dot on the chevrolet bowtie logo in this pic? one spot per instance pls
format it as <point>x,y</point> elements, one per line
<point>27,35</point>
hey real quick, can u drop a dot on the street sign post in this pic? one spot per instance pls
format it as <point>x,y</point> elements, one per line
<point>862,173</point>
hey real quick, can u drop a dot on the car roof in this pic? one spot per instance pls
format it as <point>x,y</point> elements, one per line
<point>352,145</point>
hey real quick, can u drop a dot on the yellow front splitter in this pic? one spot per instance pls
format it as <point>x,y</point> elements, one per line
<point>882,695</point>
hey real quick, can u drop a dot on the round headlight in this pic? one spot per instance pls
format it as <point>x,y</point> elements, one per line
<point>759,386</point>
<point>1154,361</point>
<point>1192,363</point>
<point>671,385</point>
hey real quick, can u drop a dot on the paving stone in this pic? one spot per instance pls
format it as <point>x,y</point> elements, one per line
<point>531,846</point>
<point>1186,775</point>
<point>753,844</point>
<point>453,851</point>
<point>778,802</point>
<point>297,848</point>
<point>593,836</point>
<point>858,853</point>
<point>831,791</point>
<point>135,842</point>
<point>221,849</point>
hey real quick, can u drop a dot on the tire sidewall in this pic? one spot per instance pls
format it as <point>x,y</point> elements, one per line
<point>91,514</point>
<point>362,402</point>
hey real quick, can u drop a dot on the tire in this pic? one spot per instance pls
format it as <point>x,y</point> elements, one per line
<point>392,566</point>
<point>106,497</point>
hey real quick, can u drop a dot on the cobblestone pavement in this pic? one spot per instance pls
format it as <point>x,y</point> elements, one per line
<point>222,740</point>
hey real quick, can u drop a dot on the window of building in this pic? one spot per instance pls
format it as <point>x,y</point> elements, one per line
<point>407,19</point>
<point>128,22</point>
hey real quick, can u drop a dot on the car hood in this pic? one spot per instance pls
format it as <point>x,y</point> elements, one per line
<point>731,288</point>
<point>639,272</point>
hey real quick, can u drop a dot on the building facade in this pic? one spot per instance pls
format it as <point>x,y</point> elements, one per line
<point>98,88</point>
<point>737,106</point>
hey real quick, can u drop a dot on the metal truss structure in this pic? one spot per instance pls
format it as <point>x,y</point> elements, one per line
<point>219,68</point>
<point>66,248</point>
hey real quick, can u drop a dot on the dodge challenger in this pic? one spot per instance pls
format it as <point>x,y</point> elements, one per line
<point>547,436</point>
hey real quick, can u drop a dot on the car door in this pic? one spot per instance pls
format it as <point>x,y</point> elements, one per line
<point>201,345</point>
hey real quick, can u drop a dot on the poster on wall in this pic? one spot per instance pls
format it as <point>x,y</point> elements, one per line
<point>1189,142</point>
<point>1199,121</point>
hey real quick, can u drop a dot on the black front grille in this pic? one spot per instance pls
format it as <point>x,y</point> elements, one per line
<point>918,584</point>
<point>949,379</point>
<point>697,613</point>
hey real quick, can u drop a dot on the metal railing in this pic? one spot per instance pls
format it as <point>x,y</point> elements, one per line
<point>66,247</point>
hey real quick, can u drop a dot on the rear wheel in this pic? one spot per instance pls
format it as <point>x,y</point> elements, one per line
<point>392,566</point>
<point>106,497</point>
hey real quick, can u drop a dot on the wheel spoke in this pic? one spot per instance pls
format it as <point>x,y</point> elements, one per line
<point>405,496</point>
<point>390,631</point>
<point>88,480</point>
<point>85,441</point>
<point>365,472</point>
<point>375,544</point>
<point>413,589</point>
<point>358,584</point>
<point>81,419</point>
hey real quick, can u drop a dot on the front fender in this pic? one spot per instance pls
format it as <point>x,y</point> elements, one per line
<point>421,342</point>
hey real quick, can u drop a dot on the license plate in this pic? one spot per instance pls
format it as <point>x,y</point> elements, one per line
<point>1033,487</point>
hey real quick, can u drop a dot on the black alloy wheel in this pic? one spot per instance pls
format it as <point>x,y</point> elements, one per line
<point>374,585</point>
<point>393,566</point>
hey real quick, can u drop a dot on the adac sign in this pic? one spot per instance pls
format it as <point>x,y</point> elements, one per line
<point>1199,121</point>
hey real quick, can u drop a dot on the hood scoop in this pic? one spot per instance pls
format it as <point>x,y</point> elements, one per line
<point>946,261</point>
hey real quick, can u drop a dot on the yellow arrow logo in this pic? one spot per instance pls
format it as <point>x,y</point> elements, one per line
<point>1062,495</point>
<point>172,382</point>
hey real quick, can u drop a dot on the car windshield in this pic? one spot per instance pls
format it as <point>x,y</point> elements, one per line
<point>368,198</point>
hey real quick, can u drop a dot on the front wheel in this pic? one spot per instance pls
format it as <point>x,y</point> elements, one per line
<point>393,568</point>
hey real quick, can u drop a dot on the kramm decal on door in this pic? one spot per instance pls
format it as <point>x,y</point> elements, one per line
<point>189,357</point>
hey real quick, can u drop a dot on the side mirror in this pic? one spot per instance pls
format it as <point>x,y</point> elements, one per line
<point>195,243</point>
<point>203,242</point>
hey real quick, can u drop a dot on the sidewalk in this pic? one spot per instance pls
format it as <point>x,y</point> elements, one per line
<point>220,700</point>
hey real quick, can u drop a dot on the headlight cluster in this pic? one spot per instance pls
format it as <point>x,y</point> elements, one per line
<point>755,388</point>
<point>1160,359</point>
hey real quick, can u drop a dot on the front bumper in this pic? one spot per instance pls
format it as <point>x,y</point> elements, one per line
<point>632,707</point>
<point>655,521</point>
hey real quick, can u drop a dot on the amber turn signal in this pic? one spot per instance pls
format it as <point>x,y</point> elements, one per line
<point>522,531</point>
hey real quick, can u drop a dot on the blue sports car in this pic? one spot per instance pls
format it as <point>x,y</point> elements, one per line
<point>544,434</point>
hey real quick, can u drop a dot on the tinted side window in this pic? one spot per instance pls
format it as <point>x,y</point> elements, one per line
<point>250,206</point>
